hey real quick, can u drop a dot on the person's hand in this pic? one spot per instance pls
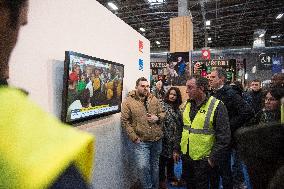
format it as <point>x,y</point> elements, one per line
<point>137,141</point>
<point>152,118</point>
<point>210,163</point>
<point>176,156</point>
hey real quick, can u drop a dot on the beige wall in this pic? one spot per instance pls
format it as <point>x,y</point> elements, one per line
<point>83,26</point>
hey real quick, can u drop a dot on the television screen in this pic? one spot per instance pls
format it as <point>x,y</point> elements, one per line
<point>92,87</point>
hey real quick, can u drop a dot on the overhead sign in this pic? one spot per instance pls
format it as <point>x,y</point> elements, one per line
<point>206,54</point>
<point>265,61</point>
<point>158,64</point>
<point>259,38</point>
<point>277,64</point>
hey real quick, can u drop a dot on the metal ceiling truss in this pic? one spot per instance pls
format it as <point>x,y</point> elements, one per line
<point>233,22</point>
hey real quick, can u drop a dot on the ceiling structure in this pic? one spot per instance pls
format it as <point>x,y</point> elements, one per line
<point>232,22</point>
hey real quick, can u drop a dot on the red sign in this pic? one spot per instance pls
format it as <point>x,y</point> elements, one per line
<point>206,54</point>
<point>141,46</point>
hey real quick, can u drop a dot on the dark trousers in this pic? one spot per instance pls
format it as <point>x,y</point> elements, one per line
<point>196,173</point>
<point>223,170</point>
<point>166,163</point>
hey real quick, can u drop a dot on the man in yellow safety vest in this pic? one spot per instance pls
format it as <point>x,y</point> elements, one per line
<point>206,133</point>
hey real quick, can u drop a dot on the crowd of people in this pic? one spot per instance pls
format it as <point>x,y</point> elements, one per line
<point>217,123</point>
<point>103,84</point>
<point>202,131</point>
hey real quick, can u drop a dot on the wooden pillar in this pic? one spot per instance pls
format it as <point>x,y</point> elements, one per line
<point>181,34</point>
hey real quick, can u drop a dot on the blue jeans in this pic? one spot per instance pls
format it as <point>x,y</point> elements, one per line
<point>237,169</point>
<point>147,159</point>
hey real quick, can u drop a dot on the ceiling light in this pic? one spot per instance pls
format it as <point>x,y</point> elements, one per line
<point>274,36</point>
<point>142,29</point>
<point>207,23</point>
<point>261,35</point>
<point>113,6</point>
<point>246,76</point>
<point>158,42</point>
<point>153,2</point>
<point>279,16</point>
<point>209,38</point>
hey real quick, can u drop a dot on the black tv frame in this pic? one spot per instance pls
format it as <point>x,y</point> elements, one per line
<point>65,89</point>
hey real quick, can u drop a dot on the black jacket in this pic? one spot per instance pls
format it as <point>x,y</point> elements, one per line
<point>238,110</point>
<point>261,148</point>
<point>257,98</point>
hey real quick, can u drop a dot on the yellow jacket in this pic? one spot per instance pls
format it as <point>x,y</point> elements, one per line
<point>35,147</point>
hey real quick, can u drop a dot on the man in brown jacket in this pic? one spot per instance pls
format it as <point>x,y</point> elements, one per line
<point>141,116</point>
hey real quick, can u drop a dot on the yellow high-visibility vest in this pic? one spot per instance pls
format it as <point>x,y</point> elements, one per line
<point>35,148</point>
<point>198,136</point>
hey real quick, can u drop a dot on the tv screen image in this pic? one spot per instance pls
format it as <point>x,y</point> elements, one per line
<point>92,87</point>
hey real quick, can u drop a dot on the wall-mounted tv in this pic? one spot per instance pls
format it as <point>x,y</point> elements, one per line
<point>92,87</point>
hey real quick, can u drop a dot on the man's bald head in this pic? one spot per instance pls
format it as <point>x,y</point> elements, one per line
<point>13,15</point>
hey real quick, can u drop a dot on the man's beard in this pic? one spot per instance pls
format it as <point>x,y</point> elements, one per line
<point>144,94</point>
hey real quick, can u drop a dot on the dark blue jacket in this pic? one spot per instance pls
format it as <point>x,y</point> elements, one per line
<point>239,111</point>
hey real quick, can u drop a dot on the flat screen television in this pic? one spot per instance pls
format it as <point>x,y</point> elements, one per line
<point>92,87</point>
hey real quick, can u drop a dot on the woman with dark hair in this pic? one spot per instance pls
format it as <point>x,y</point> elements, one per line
<point>173,125</point>
<point>271,111</point>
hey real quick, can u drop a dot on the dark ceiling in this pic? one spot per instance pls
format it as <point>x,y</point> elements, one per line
<point>233,22</point>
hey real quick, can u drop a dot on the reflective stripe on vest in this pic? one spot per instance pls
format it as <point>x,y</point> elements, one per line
<point>199,134</point>
<point>35,147</point>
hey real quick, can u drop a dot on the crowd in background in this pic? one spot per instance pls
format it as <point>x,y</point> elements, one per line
<point>248,106</point>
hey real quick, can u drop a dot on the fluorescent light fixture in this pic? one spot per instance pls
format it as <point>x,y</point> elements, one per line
<point>158,42</point>
<point>207,23</point>
<point>142,29</point>
<point>279,16</point>
<point>273,36</point>
<point>246,76</point>
<point>209,38</point>
<point>153,2</point>
<point>113,6</point>
<point>261,35</point>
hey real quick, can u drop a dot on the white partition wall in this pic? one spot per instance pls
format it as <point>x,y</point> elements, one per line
<point>86,27</point>
<point>83,26</point>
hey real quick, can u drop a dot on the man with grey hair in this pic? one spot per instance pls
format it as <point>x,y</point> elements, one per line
<point>239,113</point>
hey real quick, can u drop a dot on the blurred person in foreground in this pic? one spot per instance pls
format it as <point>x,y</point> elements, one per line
<point>142,116</point>
<point>261,148</point>
<point>37,151</point>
